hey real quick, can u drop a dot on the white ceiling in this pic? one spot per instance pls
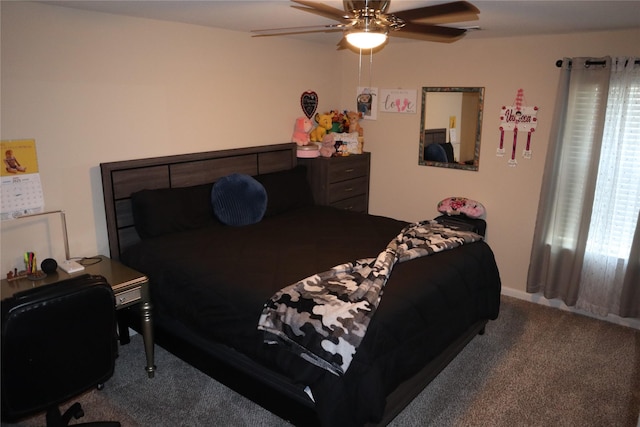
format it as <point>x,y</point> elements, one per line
<point>497,18</point>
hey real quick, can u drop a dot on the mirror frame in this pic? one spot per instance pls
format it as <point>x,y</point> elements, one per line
<point>476,159</point>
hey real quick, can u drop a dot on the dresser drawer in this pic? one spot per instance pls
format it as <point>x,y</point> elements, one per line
<point>345,189</point>
<point>342,182</point>
<point>348,168</point>
<point>128,297</point>
<point>355,204</point>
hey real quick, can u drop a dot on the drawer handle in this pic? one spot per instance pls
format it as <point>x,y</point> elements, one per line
<point>348,170</point>
<point>346,190</point>
<point>122,299</point>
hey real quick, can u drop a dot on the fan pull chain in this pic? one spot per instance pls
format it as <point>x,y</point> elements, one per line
<point>370,67</point>
<point>359,68</point>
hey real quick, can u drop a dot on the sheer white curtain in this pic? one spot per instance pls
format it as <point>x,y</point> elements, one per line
<point>583,250</point>
<point>617,196</point>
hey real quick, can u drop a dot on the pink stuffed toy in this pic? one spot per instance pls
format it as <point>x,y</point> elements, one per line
<point>301,131</point>
<point>328,145</point>
<point>461,205</point>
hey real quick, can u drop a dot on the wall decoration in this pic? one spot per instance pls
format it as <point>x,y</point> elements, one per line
<point>401,101</point>
<point>309,103</point>
<point>517,118</point>
<point>21,186</point>
<point>367,100</point>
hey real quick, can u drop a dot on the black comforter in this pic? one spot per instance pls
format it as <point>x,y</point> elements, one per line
<point>216,280</point>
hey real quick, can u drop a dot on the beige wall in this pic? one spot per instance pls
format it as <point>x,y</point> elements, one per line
<point>93,87</point>
<point>403,189</point>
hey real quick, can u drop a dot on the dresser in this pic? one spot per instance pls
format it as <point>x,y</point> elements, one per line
<point>342,182</point>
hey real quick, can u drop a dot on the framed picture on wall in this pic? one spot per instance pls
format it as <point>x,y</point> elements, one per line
<point>401,101</point>
<point>367,102</point>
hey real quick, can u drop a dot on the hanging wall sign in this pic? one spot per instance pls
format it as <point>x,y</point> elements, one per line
<point>398,101</point>
<point>517,118</point>
<point>367,102</point>
<point>309,103</point>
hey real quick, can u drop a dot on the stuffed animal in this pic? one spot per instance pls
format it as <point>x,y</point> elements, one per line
<point>327,148</point>
<point>301,131</point>
<point>324,126</point>
<point>354,126</point>
<point>461,205</point>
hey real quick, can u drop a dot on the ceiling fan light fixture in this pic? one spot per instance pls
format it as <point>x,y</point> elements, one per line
<point>367,31</point>
<point>366,39</point>
<point>366,24</point>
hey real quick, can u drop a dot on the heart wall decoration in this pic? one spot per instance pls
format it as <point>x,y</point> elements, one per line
<point>309,103</point>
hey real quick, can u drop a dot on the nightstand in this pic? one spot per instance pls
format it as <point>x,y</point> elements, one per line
<point>129,287</point>
<point>342,182</point>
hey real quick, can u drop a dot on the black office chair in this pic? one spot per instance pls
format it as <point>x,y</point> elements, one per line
<point>448,148</point>
<point>58,341</point>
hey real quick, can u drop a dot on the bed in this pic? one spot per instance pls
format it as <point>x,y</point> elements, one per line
<point>210,283</point>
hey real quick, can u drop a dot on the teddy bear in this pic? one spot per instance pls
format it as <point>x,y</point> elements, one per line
<point>324,126</point>
<point>354,126</point>
<point>301,131</point>
<point>327,148</point>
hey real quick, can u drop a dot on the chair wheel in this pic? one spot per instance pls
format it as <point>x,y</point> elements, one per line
<point>74,411</point>
<point>79,413</point>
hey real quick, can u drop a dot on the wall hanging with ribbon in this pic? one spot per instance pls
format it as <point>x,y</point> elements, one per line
<point>517,118</point>
<point>309,103</point>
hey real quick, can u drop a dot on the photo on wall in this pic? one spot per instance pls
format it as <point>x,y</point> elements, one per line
<point>367,102</point>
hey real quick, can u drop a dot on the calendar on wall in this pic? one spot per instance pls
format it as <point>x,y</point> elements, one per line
<point>21,187</point>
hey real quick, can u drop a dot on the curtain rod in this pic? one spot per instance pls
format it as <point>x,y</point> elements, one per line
<point>559,62</point>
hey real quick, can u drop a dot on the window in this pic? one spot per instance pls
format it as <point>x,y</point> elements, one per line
<point>577,151</point>
<point>587,238</point>
<point>617,196</point>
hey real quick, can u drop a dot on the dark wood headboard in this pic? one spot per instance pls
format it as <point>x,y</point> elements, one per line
<point>121,179</point>
<point>438,136</point>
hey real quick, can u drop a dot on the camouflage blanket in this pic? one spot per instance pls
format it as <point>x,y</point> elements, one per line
<point>324,317</point>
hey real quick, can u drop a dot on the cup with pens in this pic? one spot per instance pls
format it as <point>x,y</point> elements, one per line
<point>31,267</point>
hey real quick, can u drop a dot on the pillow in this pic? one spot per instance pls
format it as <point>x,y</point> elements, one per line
<point>169,210</point>
<point>238,200</point>
<point>435,152</point>
<point>461,205</point>
<point>286,190</point>
<point>463,222</point>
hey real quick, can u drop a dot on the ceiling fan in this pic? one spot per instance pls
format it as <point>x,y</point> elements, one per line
<point>366,24</point>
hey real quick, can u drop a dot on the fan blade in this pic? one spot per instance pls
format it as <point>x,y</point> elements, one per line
<point>298,30</point>
<point>320,13</point>
<point>456,7</point>
<point>322,10</point>
<point>429,32</point>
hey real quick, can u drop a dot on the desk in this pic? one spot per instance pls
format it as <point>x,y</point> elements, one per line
<point>129,287</point>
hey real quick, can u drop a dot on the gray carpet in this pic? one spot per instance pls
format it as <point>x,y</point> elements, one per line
<point>535,366</point>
